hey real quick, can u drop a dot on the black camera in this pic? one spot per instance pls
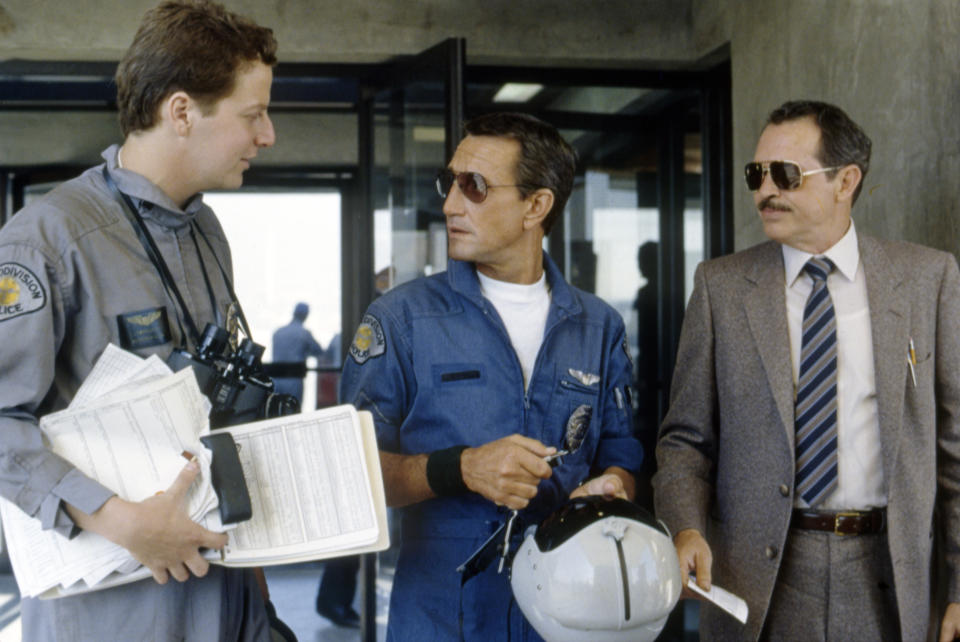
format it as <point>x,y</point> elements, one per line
<point>233,381</point>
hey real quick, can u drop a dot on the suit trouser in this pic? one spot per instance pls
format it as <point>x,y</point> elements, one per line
<point>833,587</point>
<point>339,582</point>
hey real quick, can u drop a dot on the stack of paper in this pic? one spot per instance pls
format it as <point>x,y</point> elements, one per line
<point>314,478</point>
<point>131,427</point>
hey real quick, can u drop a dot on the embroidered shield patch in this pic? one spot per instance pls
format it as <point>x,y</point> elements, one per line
<point>369,341</point>
<point>20,291</point>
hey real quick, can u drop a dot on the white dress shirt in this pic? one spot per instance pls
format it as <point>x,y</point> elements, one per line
<point>860,466</point>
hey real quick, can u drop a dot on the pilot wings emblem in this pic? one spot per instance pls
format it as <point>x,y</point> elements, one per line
<point>586,378</point>
<point>144,319</point>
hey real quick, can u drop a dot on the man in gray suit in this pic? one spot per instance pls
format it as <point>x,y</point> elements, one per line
<point>814,424</point>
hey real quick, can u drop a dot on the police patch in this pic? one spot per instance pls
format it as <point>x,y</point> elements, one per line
<point>369,341</point>
<point>20,291</point>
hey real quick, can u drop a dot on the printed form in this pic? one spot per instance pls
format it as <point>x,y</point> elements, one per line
<point>314,479</point>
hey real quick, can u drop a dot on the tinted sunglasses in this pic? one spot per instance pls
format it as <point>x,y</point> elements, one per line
<point>472,185</point>
<point>787,175</point>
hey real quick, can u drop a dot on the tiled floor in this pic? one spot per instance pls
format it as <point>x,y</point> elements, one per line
<point>293,591</point>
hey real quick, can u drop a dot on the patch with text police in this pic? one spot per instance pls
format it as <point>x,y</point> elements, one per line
<point>20,291</point>
<point>369,341</point>
<point>143,328</point>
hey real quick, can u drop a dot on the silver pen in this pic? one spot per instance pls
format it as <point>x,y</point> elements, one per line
<point>912,361</point>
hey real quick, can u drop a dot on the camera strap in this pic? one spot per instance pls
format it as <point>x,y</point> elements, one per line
<point>206,277</point>
<point>153,253</point>
<point>226,279</point>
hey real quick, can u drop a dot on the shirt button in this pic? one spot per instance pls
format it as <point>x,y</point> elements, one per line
<point>784,490</point>
<point>771,552</point>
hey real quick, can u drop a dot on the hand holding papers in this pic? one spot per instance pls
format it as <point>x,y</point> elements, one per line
<point>723,598</point>
<point>314,479</point>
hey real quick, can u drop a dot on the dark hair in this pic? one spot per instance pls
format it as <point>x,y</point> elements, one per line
<point>546,159</point>
<point>842,142</point>
<point>195,46</point>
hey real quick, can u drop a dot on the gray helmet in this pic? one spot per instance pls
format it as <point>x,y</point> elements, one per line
<point>597,570</point>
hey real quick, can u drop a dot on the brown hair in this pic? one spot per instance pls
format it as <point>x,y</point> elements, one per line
<point>546,159</point>
<point>195,46</point>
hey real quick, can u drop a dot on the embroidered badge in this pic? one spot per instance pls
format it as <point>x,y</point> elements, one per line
<point>143,328</point>
<point>20,291</point>
<point>369,341</point>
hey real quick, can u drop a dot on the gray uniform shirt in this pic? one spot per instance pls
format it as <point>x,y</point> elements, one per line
<point>73,277</point>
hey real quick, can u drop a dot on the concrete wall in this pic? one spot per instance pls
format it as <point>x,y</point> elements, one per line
<point>892,65</point>
<point>531,31</point>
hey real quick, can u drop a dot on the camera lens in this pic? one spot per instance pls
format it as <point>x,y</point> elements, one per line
<point>249,353</point>
<point>213,342</point>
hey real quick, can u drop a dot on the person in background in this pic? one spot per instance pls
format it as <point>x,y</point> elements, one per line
<point>293,343</point>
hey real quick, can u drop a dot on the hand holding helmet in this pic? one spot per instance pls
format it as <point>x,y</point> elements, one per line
<point>597,569</point>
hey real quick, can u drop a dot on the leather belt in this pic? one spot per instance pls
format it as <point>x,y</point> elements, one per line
<point>847,522</point>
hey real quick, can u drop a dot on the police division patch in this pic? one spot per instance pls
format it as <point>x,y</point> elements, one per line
<point>369,341</point>
<point>20,291</point>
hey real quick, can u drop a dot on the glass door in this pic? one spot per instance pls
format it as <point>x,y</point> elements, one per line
<point>410,116</point>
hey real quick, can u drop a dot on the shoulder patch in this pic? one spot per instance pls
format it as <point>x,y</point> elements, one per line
<point>21,292</point>
<point>369,342</point>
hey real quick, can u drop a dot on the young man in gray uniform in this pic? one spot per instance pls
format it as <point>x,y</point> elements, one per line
<point>193,91</point>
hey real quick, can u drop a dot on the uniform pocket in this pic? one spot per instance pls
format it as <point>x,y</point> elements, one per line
<point>447,376</point>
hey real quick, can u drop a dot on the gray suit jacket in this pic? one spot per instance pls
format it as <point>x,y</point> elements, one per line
<point>726,448</point>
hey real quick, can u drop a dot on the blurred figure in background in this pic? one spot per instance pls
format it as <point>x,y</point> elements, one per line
<point>293,343</point>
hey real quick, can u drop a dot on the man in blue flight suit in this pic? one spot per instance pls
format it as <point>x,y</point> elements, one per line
<point>473,376</point>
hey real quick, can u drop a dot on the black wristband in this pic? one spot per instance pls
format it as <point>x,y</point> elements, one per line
<point>443,472</point>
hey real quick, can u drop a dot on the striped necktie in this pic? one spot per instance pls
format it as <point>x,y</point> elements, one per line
<point>816,407</point>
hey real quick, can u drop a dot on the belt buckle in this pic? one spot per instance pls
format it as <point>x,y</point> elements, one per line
<point>836,521</point>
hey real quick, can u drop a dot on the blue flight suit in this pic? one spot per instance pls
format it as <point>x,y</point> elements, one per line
<point>433,362</point>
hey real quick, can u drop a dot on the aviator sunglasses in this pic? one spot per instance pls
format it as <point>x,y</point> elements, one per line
<point>472,185</point>
<point>787,175</point>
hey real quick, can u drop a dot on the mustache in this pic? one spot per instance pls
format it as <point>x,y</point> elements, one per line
<point>768,202</point>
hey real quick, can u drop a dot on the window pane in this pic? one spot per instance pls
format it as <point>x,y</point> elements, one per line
<point>286,249</point>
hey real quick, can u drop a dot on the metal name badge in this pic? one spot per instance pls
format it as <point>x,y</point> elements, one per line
<point>233,325</point>
<point>577,426</point>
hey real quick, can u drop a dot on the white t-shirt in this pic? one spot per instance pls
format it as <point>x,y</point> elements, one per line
<point>523,310</point>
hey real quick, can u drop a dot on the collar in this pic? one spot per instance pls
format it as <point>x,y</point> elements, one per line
<point>462,276</point>
<point>845,254</point>
<point>151,201</point>
<point>514,292</point>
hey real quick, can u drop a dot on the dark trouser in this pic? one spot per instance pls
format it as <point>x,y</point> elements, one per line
<point>339,582</point>
<point>833,587</point>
